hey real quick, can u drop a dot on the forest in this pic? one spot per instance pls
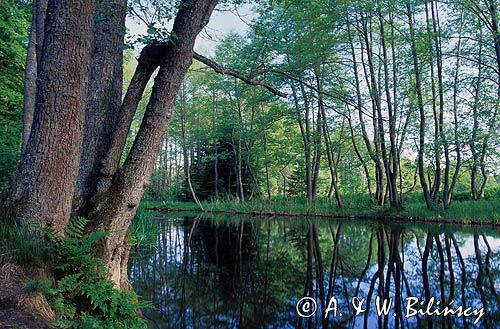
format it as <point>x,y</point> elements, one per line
<point>113,115</point>
<point>383,100</point>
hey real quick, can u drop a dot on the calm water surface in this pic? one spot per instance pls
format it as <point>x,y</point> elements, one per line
<point>251,272</point>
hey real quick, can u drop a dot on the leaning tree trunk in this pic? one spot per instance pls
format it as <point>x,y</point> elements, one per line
<point>149,59</point>
<point>119,206</point>
<point>42,187</point>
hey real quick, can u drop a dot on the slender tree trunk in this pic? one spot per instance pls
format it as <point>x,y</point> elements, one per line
<point>216,148</point>
<point>332,164</point>
<point>484,147</point>
<point>391,172</point>
<point>421,170</point>
<point>33,66</point>
<point>475,126</point>
<point>304,130</point>
<point>371,84</point>
<point>360,114</point>
<point>30,75</point>
<point>360,157</point>
<point>266,160</point>
<point>443,142</point>
<point>447,202</point>
<point>437,157</point>
<point>317,153</point>
<point>187,168</point>
<point>328,144</point>
<point>236,167</point>
<point>492,10</point>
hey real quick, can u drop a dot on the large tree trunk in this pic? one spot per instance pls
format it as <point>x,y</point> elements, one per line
<point>42,187</point>
<point>116,211</point>
<point>104,91</point>
<point>104,97</point>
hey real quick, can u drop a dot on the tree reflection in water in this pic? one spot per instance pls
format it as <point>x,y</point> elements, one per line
<point>249,273</point>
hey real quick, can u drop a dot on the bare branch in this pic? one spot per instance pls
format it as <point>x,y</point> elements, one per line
<point>226,71</point>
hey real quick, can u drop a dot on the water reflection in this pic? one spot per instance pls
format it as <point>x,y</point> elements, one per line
<point>251,273</point>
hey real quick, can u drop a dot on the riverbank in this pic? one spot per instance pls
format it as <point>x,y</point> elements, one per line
<point>466,212</point>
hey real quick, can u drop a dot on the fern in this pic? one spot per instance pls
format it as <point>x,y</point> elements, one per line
<point>83,297</point>
<point>76,227</point>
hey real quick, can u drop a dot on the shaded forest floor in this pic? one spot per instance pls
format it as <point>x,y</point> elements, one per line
<point>16,318</point>
<point>468,212</point>
<point>18,307</point>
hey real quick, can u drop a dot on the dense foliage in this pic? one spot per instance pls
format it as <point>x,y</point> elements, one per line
<point>14,30</point>
<point>384,99</point>
<point>83,297</point>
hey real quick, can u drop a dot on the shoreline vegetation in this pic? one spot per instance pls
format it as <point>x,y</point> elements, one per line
<point>464,212</point>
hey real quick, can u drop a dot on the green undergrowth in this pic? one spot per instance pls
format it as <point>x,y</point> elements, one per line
<point>79,293</point>
<point>143,231</point>
<point>462,209</point>
<point>20,246</point>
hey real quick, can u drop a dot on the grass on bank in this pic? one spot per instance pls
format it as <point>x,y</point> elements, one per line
<point>462,210</point>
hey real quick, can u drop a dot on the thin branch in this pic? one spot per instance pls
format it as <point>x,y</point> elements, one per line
<point>344,99</point>
<point>226,71</point>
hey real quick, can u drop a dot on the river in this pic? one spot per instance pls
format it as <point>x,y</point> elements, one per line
<point>244,272</point>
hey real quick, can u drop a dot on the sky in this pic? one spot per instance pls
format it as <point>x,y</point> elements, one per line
<point>221,23</point>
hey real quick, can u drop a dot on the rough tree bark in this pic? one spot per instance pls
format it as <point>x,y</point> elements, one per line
<point>33,58</point>
<point>42,187</point>
<point>116,210</point>
<point>104,90</point>
<point>103,99</point>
